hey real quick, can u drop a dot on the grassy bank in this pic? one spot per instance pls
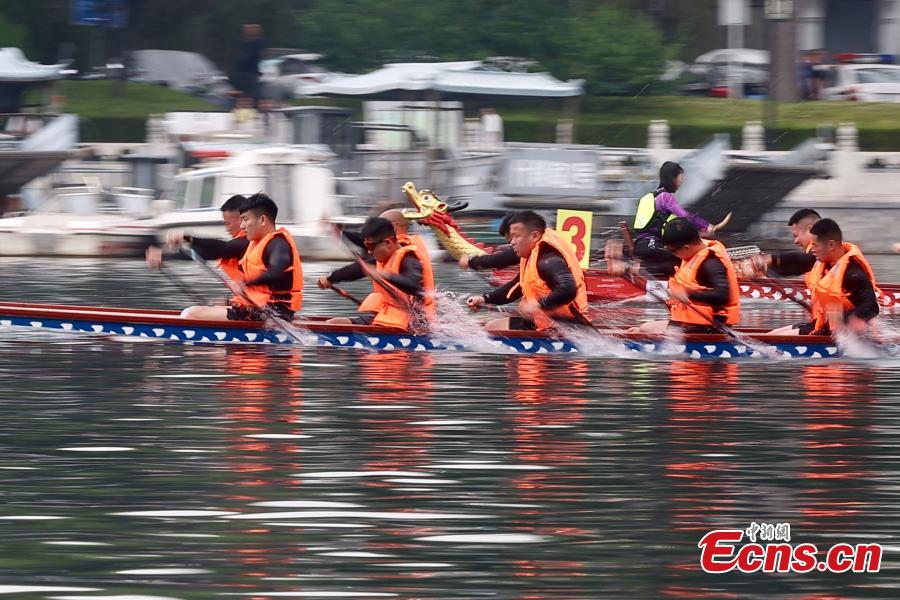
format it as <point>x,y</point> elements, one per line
<point>112,115</point>
<point>111,112</point>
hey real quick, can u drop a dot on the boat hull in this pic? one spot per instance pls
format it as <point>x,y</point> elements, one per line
<point>603,287</point>
<point>167,326</point>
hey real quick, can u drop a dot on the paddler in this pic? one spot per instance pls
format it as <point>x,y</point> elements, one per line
<point>354,272</point>
<point>703,289</point>
<point>791,262</point>
<point>231,218</point>
<point>269,277</point>
<point>402,279</point>
<point>841,282</point>
<point>550,284</point>
<point>654,211</point>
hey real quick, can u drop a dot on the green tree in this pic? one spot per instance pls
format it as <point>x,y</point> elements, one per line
<point>13,34</point>
<point>615,50</point>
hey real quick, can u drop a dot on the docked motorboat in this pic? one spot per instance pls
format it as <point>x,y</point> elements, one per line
<point>296,177</point>
<point>81,221</point>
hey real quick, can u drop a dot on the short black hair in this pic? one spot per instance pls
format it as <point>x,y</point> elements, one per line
<point>680,232</point>
<point>803,213</point>
<point>529,219</point>
<point>234,204</point>
<point>503,229</point>
<point>667,174</point>
<point>260,204</point>
<point>377,229</point>
<point>827,229</point>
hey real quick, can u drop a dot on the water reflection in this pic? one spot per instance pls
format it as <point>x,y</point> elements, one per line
<point>188,472</point>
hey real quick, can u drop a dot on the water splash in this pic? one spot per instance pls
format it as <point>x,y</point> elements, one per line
<point>457,325</point>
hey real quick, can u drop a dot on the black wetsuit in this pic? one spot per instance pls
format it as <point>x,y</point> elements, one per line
<point>712,276</point>
<point>554,270</point>
<point>501,258</point>
<point>856,283</point>
<point>409,280</point>
<point>277,257</point>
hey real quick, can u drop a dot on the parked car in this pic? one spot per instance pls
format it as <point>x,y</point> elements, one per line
<point>708,75</point>
<point>862,82</point>
<point>185,71</point>
<point>286,77</point>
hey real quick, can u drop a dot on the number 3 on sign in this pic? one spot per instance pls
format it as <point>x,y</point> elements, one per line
<point>575,226</point>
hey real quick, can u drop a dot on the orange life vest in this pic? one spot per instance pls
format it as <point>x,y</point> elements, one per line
<point>232,267</point>
<point>827,287</point>
<point>534,288</point>
<point>685,279</point>
<point>252,266</point>
<point>393,306</point>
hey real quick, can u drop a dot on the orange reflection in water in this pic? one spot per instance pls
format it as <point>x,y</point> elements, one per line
<point>262,399</point>
<point>550,398</point>
<point>836,404</point>
<point>403,379</point>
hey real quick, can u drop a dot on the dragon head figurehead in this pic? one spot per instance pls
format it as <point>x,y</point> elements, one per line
<point>431,210</point>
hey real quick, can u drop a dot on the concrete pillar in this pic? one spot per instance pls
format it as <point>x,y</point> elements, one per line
<point>847,159</point>
<point>847,137</point>
<point>888,12</point>
<point>783,60</point>
<point>565,129</point>
<point>753,137</point>
<point>658,135</point>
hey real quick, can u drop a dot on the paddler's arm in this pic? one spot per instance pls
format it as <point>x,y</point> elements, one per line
<point>409,279</point>
<point>667,202</point>
<point>714,278</point>
<point>349,272</point>
<point>791,263</point>
<point>277,257</point>
<point>500,258</point>
<point>211,249</point>
<point>499,295</point>
<point>862,294</point>
<point>555,272</point>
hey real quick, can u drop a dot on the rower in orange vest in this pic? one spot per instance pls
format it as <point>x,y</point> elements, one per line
<point>550,283</point>
<point>353,271</point>
<point>841,282</point>
<point>402,280</point>
<point>703,289</point>
<point>269,273</point>
<point>788,263</point>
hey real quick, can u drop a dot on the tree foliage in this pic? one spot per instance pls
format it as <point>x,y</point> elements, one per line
<point>616,49</point>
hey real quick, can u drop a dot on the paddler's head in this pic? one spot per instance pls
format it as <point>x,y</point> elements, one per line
<point>258,216</point>
<point>827,241</point>
<point>800,223</point>
<point>400,223</point>
<point>379,238</point>
<point>671,176</point>
<point>503,229</point>
<point>231,214</point>
<point>525,230</point>
<point>682,238</point>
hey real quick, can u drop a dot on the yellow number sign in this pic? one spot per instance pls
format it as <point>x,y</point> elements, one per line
<point>575,226</point>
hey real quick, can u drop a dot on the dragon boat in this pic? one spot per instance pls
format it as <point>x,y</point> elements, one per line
<point>168,326</point>
<point>601,286</point>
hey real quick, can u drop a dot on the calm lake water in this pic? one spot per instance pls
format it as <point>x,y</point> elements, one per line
<point>145,470</point>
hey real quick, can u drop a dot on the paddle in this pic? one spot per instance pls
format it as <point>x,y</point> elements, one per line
<point>720,327</point>
<point>185,289</point>
<point>270,314</point>
<point>346,295</point>
<point>373,274</point>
